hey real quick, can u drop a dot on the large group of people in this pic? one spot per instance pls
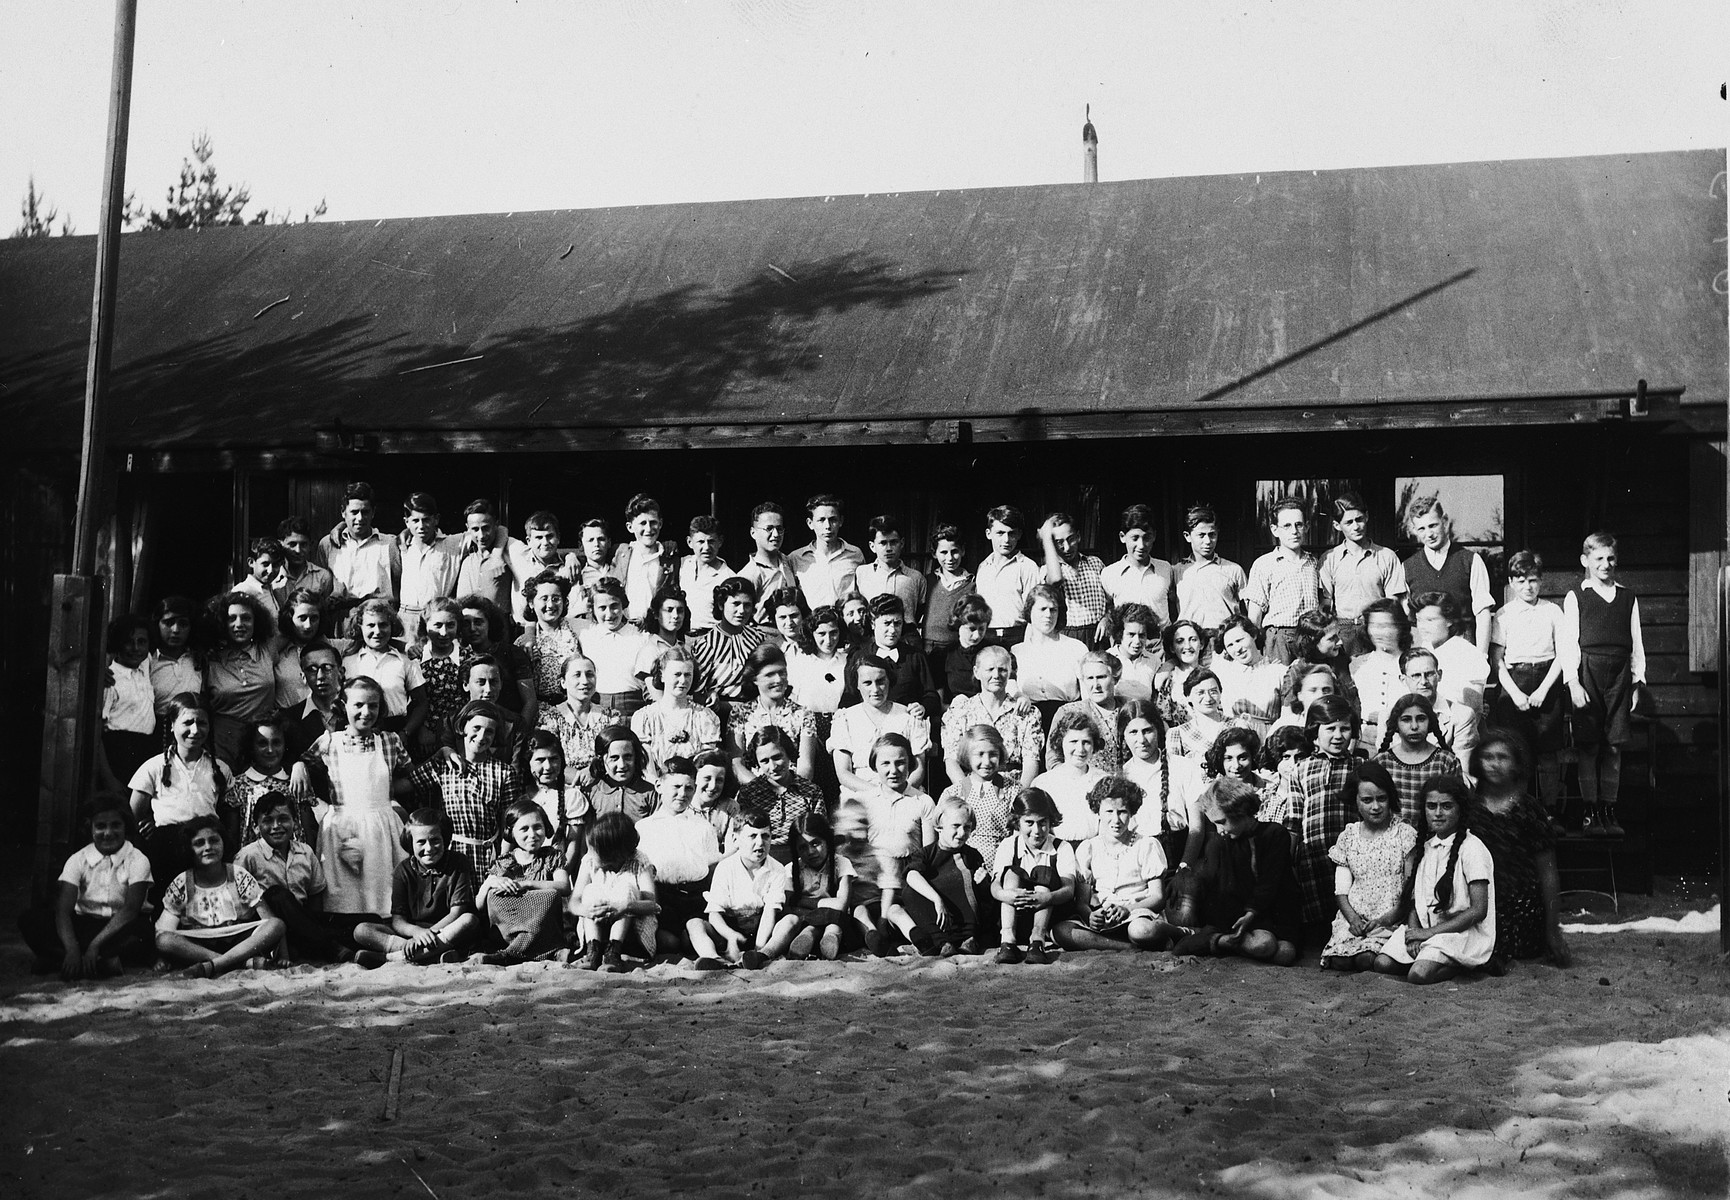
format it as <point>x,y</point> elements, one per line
<point>426,746</point>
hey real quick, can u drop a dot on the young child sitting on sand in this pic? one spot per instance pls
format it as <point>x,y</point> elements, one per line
<point>939,901</point>
<point>523,895</point>
<point>1118,888</point>
<point>432,902</point>
<point>820,881</point>
<point>1245,897</point>
<point>214,915</point>
<point>614,896</point>
<point>745,902</point>
<point>1372,860</point>
<point>96,919</point>
<point>1032,878</point>
<point>1452,898</point>
<point>293,879</point>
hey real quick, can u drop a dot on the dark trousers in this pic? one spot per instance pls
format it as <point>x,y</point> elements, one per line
<point>310,935</point>
<point>169,855</point>
<point>927,934</point>
<point>135,944</point>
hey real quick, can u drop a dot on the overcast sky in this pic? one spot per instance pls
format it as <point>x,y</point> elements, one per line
<point>389,108</point>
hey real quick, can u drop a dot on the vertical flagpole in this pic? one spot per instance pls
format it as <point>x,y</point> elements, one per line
<point>92,460</point>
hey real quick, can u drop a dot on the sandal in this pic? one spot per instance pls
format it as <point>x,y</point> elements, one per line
<point>200,970</point>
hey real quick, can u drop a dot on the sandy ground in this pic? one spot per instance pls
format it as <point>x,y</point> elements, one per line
<point>1102,1075</point>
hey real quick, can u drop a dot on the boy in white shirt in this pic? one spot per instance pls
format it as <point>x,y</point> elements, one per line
<point>1005,577</point>
<point>1524,639</point>
<point>1138,577</point>
<point>825,567</point>
<point>702,570</point>
<point>745,900</point>
<point>645,562</point>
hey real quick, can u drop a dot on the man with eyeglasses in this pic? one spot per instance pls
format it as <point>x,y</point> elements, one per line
<point>1284,584</point>
<point>321,665</point>
<point>1457,723</point>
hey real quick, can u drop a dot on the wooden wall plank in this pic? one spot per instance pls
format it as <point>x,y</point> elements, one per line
<point>1705,549</point>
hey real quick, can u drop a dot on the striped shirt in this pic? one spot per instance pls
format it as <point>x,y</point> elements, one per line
<point>718,652</point>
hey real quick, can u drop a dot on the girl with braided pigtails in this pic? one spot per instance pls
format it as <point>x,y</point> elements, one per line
<point>1452,926</point>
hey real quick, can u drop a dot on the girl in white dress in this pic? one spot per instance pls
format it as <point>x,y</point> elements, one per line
<point>1452,926</point>
<point>360,841</point>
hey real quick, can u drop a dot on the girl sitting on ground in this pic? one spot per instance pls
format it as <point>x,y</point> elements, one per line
<point>822,882</point>
<point>1244,900</point>
<point>939,909</point>
<point>1451,926</point>
<point>613,898</point>
<point>1032,879</point>
<point>1118,872</point>
<point>523,896</point>
<point>214,915</point>
<point>1372,861</point>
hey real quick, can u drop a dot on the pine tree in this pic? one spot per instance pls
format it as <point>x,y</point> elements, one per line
<point>198,201</point>
<point>39,216</point>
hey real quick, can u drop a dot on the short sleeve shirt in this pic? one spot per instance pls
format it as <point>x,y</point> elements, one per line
<point>301,872</point>
<point>424,896</point>
<point>392,670</point>
<point>1120,869</point>
<point>1126,583</point>
<point>737,890</point>
<point>213,907</point>
<point>190,789</point>
<point>102,879</point>
<point>1527,633</point>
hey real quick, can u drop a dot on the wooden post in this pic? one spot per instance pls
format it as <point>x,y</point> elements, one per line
<point>68,728</point>
<point>93,457</point>
<point>1706,468</point>
<point>1089,150</point>
<point>74,687</point>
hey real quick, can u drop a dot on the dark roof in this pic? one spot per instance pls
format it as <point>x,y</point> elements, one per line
<point>1539,278</point>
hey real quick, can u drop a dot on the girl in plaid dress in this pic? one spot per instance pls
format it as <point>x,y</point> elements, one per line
<point>1411,752</point>
<point>1324,801</point>
<point>473,786</point>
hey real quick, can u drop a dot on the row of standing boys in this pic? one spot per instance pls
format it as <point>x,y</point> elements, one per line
<point>428,745</point>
